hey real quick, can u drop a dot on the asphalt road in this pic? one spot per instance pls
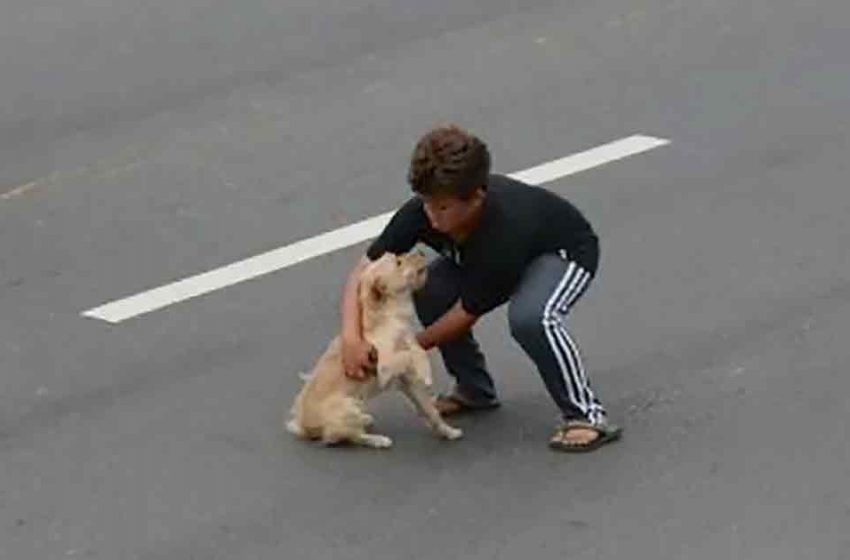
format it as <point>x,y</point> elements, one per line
<point>145,142</point>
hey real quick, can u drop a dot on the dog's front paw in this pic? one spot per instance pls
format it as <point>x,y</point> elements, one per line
<point>451,433</point>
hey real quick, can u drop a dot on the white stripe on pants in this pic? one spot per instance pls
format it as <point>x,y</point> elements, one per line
<point>570,287</point>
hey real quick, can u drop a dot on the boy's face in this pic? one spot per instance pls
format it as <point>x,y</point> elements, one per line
<point>454,216</point>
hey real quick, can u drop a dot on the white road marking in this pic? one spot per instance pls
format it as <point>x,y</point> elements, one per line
<point>300,251</point>
<point>589,159</point>
<point>18,191</point>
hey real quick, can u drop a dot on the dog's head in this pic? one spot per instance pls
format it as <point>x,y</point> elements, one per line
<point>392,276</point>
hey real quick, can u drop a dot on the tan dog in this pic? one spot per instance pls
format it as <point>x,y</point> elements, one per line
<point>330,406</point>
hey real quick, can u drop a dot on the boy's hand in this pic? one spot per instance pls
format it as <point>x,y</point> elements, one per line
<point>359,359</point>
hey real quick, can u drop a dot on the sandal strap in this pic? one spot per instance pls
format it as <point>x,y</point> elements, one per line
<point>576,423</point>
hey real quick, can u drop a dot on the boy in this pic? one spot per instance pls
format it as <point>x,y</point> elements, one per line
<point>501,241</point>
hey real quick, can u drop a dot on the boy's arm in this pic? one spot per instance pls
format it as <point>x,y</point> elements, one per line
<point>451,325</point>
<point>357,354</point>
<point>350,304</point>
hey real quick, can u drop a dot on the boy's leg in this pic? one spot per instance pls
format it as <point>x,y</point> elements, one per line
<point>537,314</point>
<point>462,357</point>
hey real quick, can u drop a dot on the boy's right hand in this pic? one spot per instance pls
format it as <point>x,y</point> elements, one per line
<point>359,359</point>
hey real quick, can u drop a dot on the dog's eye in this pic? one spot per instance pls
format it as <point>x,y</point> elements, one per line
<point>398,261</point>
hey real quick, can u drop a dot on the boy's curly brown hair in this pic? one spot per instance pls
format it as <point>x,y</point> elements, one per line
<point>449,161</point>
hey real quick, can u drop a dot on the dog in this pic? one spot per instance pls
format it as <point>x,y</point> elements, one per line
<point>331,407</point>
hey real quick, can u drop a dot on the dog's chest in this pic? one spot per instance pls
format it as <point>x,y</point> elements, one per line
<point>391,333</point>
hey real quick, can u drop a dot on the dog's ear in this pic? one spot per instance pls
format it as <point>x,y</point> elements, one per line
<point>371,288</point>
<point>377,289</point>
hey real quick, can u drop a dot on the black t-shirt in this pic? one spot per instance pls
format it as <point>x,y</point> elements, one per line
<point>519,223</point>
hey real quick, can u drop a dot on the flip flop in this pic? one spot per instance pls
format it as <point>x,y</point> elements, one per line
<point>452,404</point>
<point>607,434</point>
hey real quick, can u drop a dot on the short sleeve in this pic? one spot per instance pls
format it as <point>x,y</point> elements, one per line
<point>401,233</point>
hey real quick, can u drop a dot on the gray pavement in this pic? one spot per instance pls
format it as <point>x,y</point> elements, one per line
<point>142,143</point>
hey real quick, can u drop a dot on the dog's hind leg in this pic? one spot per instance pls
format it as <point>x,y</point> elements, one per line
<point>375,441</point>
<point>357,437</point>
<point>348,423</point>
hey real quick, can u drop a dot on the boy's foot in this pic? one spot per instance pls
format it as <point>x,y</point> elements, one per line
<point>453,403</point>
<point>580,436</point>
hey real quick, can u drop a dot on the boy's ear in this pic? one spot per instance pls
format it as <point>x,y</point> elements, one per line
<point>478,195</point>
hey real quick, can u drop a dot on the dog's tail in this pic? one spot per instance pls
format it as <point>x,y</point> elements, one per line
<point>294,428</point>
